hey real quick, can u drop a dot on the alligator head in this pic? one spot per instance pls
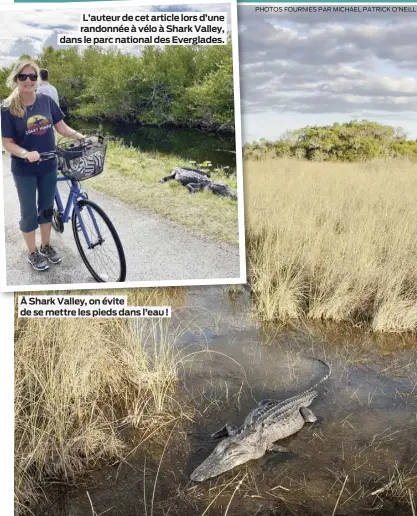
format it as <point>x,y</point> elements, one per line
<point>229,453</point>
<point>222,189</point>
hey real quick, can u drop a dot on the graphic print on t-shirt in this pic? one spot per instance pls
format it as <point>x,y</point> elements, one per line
<point>34,131</point>
<point>38,125</point>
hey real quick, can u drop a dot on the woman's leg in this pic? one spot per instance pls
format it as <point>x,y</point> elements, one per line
<point>30,239</point>
<point>26,191</point>
<point>46,196</point>
<point>45,233</point>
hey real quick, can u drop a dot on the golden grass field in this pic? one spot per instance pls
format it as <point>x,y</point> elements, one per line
<point>333,241</point>
<point>78,382</point>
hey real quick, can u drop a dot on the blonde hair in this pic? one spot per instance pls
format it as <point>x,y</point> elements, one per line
<point>14,102</point>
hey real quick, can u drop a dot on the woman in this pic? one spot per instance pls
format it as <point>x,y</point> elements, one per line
<point>27,123</point>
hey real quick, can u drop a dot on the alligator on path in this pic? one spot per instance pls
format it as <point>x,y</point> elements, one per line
<point>270,421</point>
<point>195,179</point>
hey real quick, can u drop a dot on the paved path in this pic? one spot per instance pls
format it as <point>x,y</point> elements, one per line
<point>155,249</point>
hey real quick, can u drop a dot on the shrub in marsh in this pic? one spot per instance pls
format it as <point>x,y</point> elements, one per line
<point>351,141</point>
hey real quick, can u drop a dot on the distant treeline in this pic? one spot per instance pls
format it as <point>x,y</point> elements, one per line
<point>352,141</point>
<point>187,86</point>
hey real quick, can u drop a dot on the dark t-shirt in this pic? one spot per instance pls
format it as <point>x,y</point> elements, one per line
<point>33,132</point>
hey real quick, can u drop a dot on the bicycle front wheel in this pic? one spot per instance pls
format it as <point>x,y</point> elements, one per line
<point>98,243</point>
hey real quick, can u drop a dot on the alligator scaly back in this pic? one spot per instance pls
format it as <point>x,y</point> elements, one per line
<point>266,406</point>
<point>195,179</point>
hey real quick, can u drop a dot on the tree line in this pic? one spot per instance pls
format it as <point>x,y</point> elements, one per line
<point>185,86</point>
<point>352,141</point>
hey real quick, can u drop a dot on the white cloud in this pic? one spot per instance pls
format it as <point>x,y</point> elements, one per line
<point>52,39</point>
<point>41,26</point>
<point>327,65</point>
<point>14,47</point>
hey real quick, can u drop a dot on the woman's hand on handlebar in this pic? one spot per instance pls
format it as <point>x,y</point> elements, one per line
<point>33,156</point>
<point>91,139</point>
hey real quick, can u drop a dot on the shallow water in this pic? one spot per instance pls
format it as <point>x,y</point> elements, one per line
<point>367,422</point>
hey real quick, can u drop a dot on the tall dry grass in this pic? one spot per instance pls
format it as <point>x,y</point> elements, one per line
<point>80,383</point>
<point>333,241</point>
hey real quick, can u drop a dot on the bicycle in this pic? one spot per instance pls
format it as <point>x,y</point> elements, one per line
<point>77,162</point>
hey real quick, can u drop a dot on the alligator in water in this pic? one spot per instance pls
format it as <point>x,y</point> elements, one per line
<point>195,179</point>
<point>270,421</point>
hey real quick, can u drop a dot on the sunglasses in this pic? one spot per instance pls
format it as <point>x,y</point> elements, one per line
<point>23,76</point>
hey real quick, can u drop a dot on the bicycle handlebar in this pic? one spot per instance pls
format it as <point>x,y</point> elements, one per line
<point>45,156</point>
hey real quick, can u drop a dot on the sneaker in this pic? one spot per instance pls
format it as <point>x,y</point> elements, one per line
<point>50,253</point>
<point>38,262</point>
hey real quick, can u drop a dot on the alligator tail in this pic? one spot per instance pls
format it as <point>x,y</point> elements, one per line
<point>325,377</point>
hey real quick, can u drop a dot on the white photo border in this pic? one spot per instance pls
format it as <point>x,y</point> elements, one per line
<point>242,278</point>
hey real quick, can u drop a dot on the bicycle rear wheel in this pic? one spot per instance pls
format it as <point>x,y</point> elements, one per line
<point>104,257</point>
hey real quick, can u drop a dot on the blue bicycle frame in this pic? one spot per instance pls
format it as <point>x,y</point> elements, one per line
<point>75,195</point>
<point>77,202</point>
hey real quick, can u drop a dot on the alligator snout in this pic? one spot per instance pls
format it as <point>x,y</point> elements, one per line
<point>197,477</point>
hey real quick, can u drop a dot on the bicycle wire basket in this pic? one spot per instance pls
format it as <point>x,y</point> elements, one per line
<point>82,159</point>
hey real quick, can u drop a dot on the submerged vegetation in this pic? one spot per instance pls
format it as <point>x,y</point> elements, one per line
<point>188,86</point>
<point>352,142</point>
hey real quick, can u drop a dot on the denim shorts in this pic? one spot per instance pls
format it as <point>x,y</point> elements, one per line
<point>35,211</point>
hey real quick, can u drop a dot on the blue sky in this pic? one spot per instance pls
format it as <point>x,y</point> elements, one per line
<point>301,69</point>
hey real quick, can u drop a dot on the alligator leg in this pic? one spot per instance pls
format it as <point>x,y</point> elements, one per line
<point>277,448</point>
<point>308,415</point>
<point>193,187</point>
<point>228,430</point>
<point>231,429</point>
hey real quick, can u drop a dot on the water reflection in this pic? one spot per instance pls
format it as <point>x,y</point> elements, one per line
<point>191,145</point>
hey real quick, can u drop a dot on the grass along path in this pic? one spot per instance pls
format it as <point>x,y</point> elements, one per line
<point>133,177</point>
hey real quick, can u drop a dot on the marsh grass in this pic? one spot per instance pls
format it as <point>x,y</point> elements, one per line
<point>401,486</point>
<point>333,241</point>
<point>133,177</point>
<point>80,384</point>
